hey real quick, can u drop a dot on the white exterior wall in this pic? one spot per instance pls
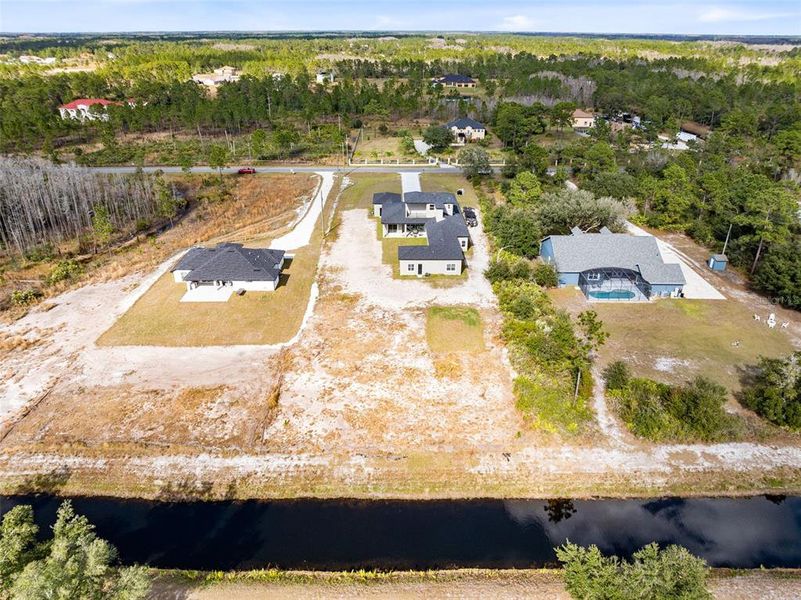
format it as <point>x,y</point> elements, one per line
<point>430,267</point>
<point>250,286</point>
<point>178,276</point>
<point>256,286</point>
<point>377,210</point>
<point>583,122</point>
<point>464,242</point>
<point>469,133</point>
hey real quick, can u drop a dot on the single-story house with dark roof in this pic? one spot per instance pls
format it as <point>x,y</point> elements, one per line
<point>452,80</point>
<point>466,130</point>
<point>436,216</point>
<point>612,266</point>
<point>213,274</point>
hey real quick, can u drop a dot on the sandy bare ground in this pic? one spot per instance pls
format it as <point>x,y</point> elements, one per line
<point>358,406</point>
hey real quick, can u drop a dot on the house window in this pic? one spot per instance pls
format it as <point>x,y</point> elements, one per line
<point>450,267</point>
<point>430,207</point>
<point>463,244</point>
<point>593,276</point>
<point>410,267</point>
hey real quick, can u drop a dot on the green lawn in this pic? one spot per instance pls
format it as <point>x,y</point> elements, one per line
<point>159,318</point>
<point>449,182</point>
<point>389,247</point>
<point>454,329</point>
<point>363,185</point>
<point>673,340</point>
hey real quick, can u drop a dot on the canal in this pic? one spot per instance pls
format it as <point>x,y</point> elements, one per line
<point>350,534</point>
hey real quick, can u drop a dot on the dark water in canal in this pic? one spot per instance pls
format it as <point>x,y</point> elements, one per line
<point>346,534</point>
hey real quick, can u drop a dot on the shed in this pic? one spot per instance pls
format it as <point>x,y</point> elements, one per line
<point>718,262</point>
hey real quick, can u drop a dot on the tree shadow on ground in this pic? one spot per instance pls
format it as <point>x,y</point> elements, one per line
<point>51,482</point>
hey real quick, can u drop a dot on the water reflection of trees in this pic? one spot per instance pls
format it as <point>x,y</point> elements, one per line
<point>559,509</point>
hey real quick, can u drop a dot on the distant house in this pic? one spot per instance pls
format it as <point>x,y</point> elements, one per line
<point>696,130</point>
<point>612,266</point>
<point>324,77</point>
<point>466,130</point>
<point>91,109</point>
<point>213,274</point>
<point>433,215</point>
<point>216,77</point>
<point>583,120</point>
<point>455,81</point>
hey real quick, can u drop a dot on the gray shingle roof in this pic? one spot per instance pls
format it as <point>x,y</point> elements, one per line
<point>386,197</point>
<point>588,251</point>
<point>231,262</point>
<point>394,213</point>
<point>453,78</point>
<point>193,259</point>
<point>443,243</point>
<point>464,123</point>
<point>438,199</point>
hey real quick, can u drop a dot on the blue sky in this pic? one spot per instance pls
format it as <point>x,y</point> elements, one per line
<point>745,17</point>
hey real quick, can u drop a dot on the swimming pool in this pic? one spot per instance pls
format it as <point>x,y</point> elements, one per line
<point>611,295</point>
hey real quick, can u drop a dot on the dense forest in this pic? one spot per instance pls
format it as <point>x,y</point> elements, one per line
<point>742,182</point>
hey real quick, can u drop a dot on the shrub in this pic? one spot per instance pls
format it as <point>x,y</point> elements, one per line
<point>659,412</point>
<point>545,275</point>
<point>40,253</point>
<point>507,266</point>
<point>24,297</point>
<point>517,230</point>
<point>64,269</point>
<point>616,375</point>
<point>774,391</point>
<point>652,573</point>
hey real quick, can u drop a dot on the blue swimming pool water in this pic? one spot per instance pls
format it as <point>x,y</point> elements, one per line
<point>612,295</point>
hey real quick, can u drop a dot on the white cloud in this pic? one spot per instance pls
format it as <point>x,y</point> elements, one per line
<point>517,23</point>
<point>721,14</point>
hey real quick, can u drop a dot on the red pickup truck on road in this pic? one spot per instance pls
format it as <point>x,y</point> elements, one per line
<point>246,171</point>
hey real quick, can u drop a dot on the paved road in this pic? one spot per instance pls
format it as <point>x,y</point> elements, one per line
<point>283,169</point>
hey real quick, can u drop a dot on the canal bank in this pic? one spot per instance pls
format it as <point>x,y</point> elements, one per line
<point>337,535</point>
<point>547,584</point>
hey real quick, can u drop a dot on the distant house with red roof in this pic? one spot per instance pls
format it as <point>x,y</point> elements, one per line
<point>81,109</point>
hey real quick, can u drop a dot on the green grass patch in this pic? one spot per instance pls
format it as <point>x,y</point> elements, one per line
<point>454,329</point>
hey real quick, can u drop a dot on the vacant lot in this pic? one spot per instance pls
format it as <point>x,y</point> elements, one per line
<point>450,182</point>
<point>674,340</point>
<point>454,329</point>
<point>383,147</point>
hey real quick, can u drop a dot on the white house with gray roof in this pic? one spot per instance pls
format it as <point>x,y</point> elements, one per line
<point>213,274</point>
<point>433,215</point>
<point>612,266</point>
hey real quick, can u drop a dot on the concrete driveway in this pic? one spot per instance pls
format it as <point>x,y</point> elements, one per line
<point>696,288</point>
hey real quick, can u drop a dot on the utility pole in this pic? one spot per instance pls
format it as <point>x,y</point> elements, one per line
<point>726,243</point>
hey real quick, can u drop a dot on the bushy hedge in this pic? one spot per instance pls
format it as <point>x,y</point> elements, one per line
<point>661,412</point>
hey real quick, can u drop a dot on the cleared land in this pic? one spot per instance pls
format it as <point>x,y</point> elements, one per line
<point>360,406</point>
<point>454,329</point>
